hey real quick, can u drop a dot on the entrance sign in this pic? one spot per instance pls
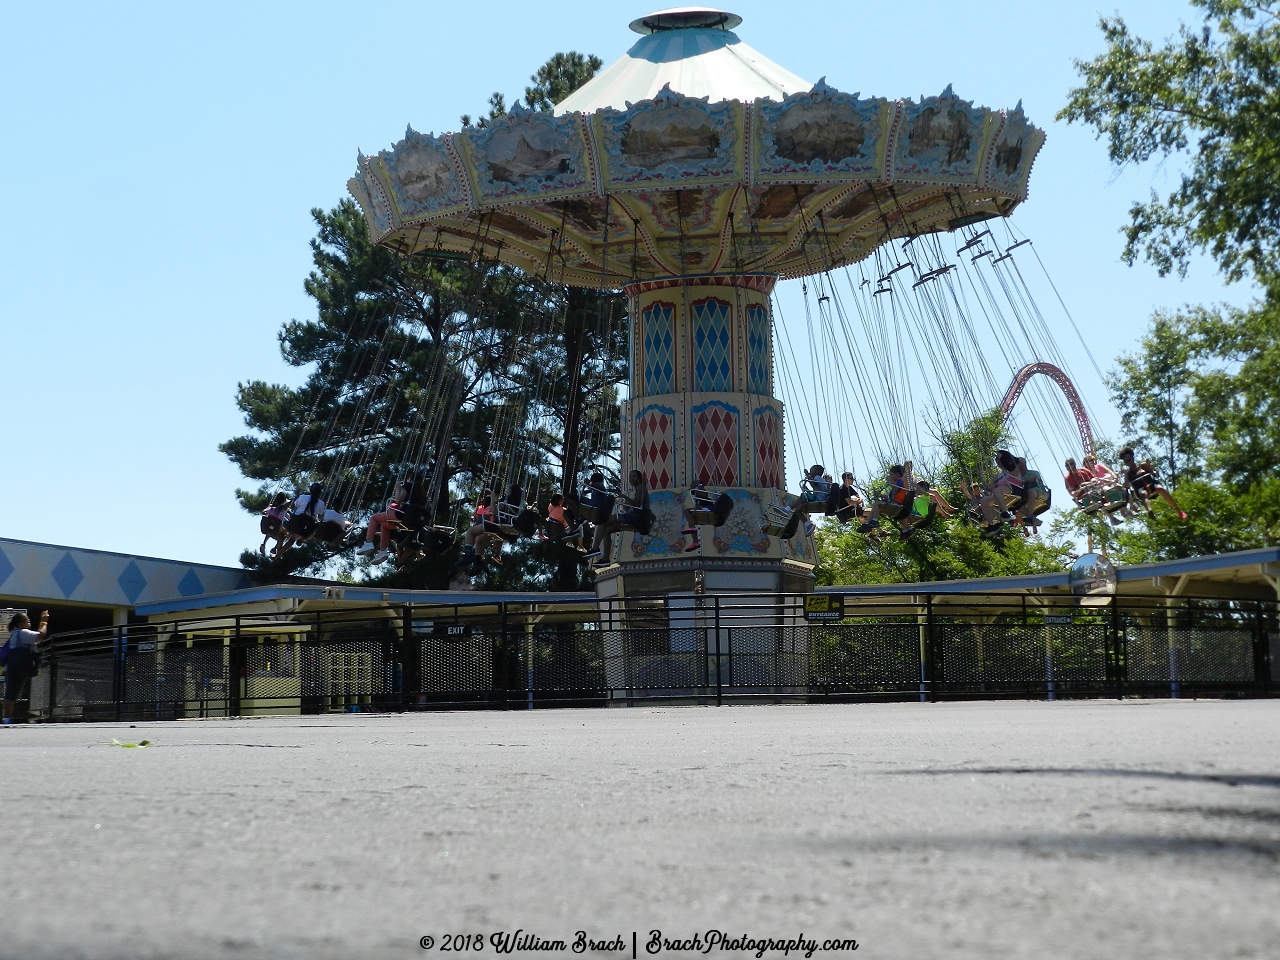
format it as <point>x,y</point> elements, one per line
<point>824,606</point>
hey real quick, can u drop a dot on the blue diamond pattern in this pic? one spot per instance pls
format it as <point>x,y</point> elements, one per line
<point>758,349</point>
<point>132,582</point>
<point>6,568</point>
<point>67,575</point>
<point>190,585</point>
<point>659,341</point>
<point>712,366</point>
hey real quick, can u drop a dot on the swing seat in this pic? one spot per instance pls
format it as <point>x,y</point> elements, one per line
<point>1015,501</point>
<point>1144,480</point>
<point>897,511</point>
<point>1114,497</point>
<point>916,521</point>
<point>331,532</point>
<point>413,516</point>
<point>1042,501</point>
<point>587,512</point>
<point>640,523</point>
<point>707,512</point>
<point>437,539</point>
<point>512,524</point>
<point>301,525</point>
<point>850,511</point>
<point>786,530</point>
<point>1092,500</point>
<point>988,530</point>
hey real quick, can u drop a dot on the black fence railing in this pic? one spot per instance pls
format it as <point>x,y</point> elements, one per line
<point>681,648</point>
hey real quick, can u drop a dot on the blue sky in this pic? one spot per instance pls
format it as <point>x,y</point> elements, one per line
<point>160,162</point>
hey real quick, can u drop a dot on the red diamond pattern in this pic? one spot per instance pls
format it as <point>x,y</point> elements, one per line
<point>768,450</point>
<point>715,446</point>
<point>657,449</point>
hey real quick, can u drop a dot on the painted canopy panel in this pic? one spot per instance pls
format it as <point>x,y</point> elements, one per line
<point>694,186</point>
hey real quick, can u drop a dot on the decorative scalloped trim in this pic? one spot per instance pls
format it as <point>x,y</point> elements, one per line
<point>461,172</point>
<point>373,172</point>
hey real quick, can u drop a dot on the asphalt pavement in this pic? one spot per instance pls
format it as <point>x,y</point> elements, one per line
<point>983,830</point>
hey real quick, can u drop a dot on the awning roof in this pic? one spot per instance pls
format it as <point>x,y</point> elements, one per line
<point>1245,574</point>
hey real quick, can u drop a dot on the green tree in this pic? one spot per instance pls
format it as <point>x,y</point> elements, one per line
<point>1237,389</point>
<point>1201,396</point>
<point>593,345</point>
<point>1154,389</point>
<point>944,550</point>
<point>559,77</point>
<point>418,366</point>
<point>1212,95</point>
<point>463,372</point>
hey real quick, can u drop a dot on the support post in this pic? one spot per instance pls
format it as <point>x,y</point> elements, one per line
<point>410,660</point>
<point>931,667</point>
<point>1261,650</point>
<point>235,664</point>
<point>528,663</point>
<point>52,700</point>
<point>1116,652</point>
<point>719,664</point>
<point>117,671</point>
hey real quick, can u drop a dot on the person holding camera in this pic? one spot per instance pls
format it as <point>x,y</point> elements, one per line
<point>21,663</point>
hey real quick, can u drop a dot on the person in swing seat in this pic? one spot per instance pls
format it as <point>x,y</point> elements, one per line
<point>1009,486</point>
<point>1035,494</point>
<point>815,487</point>
<point>920,510</point>
<point>308,511</point>
<point>983,507</point>
<point>557,524</point>
<point>633,514</point>
<point>844,502</point>
<point>476,540</point>
<point>377,535</point>
<point>1076,478</point>
<point>1140,477</point>
<point>272,523</point>
<point>898,500</point>
<point>1100,471</point>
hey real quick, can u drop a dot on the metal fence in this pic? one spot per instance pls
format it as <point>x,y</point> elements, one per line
<point>681,648</point>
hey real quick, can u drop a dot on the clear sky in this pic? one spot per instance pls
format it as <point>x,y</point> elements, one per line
<point>160,161</point>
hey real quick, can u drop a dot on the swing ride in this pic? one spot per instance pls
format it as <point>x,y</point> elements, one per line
<point>694,174</point>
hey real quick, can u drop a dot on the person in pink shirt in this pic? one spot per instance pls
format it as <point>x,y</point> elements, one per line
<point>381,526</point>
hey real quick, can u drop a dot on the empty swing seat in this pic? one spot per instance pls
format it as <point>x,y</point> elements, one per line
<point>783,524</point>
<point>708,511</point>
<point>437,539</point>
<point>514,522</point>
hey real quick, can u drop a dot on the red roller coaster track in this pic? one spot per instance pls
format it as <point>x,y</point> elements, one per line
<point>1068,390</point>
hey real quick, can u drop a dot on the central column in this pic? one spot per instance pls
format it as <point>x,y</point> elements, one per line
<point>702,410</point>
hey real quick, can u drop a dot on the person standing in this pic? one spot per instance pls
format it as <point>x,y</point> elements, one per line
<point>21,664</point>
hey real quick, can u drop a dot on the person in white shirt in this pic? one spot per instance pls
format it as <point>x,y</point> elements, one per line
<point>21,663</point>
<point>308,511</point>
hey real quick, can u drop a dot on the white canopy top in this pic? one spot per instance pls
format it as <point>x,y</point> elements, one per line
<point>696,61</point>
